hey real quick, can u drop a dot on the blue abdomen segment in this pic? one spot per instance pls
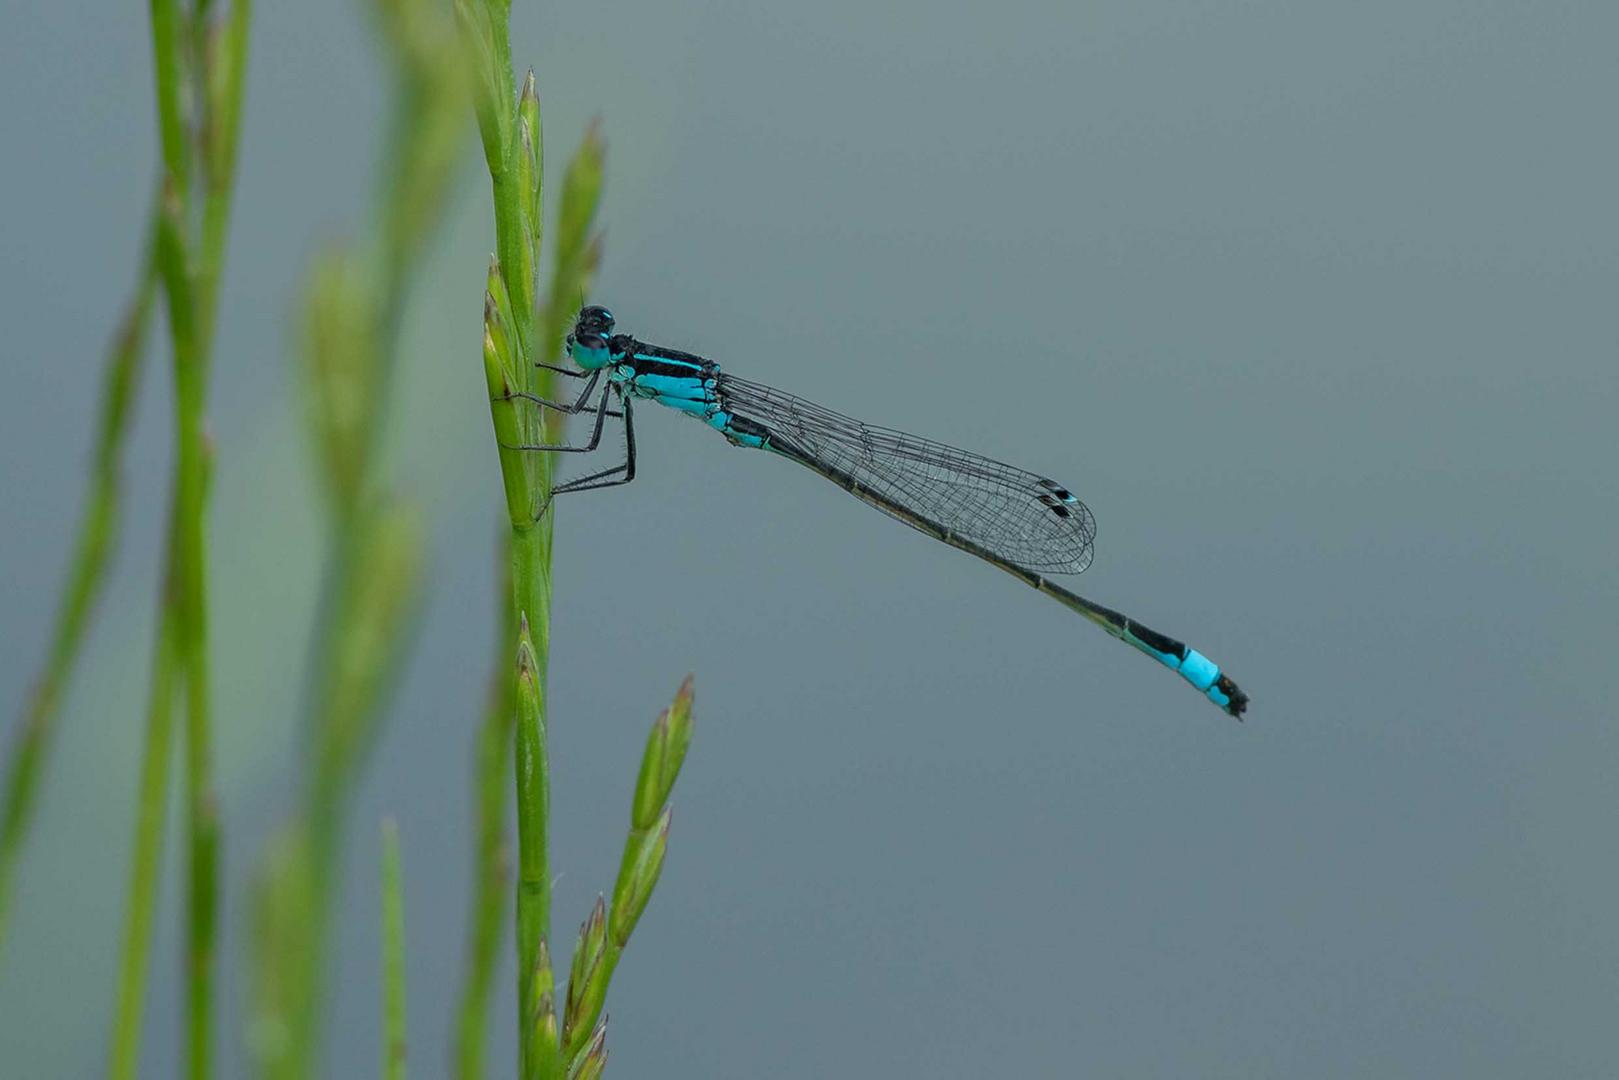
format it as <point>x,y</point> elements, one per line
<point>674,387</point>
<point>699,407</point>
<point>687,384</point>
<point>1196,669</point>
<point>1187,662</point>
<point>1204,674</point>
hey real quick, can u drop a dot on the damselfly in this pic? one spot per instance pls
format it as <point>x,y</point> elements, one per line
<point>1024,524</point>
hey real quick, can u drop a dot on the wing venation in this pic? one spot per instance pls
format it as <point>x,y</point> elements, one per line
<point>1027,519</point>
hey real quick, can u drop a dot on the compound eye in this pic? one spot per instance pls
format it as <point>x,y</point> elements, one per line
<point>597,317</point>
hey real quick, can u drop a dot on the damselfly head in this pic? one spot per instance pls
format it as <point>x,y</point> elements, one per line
<point>594,319</point>
<point>587,342</point>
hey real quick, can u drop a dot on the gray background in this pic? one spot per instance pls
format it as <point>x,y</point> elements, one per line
<point>1313,303</point>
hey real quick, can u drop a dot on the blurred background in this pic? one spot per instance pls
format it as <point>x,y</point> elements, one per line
<point>1313,304</point>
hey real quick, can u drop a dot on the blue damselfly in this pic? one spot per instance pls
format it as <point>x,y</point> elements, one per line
<point>1015,520</point>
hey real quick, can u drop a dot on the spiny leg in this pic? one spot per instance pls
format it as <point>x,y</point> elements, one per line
<point>596,480</point>
<point>569,372</point>
<point>555,406</point>
<point>627,467</point>
<point>601,411</point>
<point>578,405</point>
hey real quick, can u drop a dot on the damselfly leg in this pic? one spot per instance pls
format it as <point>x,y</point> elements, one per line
<point>602,413</point>
<point>579,404</point>
<point>618,475</point>
<point>568,371</point>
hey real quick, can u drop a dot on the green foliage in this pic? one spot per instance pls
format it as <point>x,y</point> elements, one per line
<point>354,300</point>
<point>490,871</point>
<point>147,850</point>
<point>605,932</point>
<point>533,874</point>
<point>519,334</point>
<point>282,950</point>
<point>353,303</point>
<point>199,63</point>
<point>98,533</point>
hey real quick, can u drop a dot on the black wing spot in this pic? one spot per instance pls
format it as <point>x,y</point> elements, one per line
<point>1057,489</point>
<point>1056,507</point>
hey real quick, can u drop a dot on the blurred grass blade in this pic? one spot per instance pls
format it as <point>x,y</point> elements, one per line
<point>393,956</point>
<point>225,68</point>
<point>146,859</point>
<point>199,75</point>
<point>169,25</point>
<point>427,127</point>
<point>490,870</point>
<point>373,614</point>
<point>340,360</point>
<point>356,299</point>
<point>283,954</point>
<point>577,253</point>
<point>376,615</point>
<point>98,535</point>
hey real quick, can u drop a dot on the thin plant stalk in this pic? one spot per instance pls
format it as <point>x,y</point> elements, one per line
<point>515,186</point>
<point>393,956</point>
<point>191,573</point>
<point>511,136</point>
<point>490,867</point>
<point>606,932</point>
<point>356,300</point>
<point>202,63</point>
<point>537,1058</point>
<point>98,534</point>
<point>147,860</point>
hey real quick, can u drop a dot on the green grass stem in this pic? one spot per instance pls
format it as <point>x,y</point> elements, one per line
<point>200,63</point>
<point>355,301</point>
<point>147,858</point>
<point>606,932</point>
<point>393,956</point>
<point>509,125</point>
<point>98,534</point>
<point>490,868</point>
<point>533,867</point>
<point>355,306</point>
<point>192,601</point>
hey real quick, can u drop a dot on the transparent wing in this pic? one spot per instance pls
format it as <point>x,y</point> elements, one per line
<point>1021,517</point>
